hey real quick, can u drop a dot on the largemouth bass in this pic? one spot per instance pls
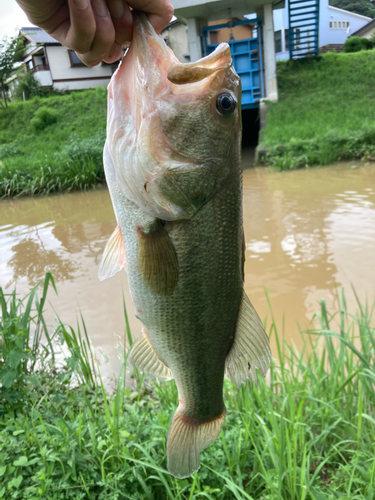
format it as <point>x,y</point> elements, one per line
<point>173,167</point>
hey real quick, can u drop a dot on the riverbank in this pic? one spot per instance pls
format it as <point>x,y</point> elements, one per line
<point>325,111</point>
<point>305,433</point>
<point>53,144</point>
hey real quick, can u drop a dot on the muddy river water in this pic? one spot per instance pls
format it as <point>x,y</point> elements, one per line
<point>307,232</point>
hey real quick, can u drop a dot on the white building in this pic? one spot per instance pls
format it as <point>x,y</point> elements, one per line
<point>335,26</point>
<point>57,66</point>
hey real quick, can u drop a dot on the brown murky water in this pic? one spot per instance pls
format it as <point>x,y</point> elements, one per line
<point>307,232</point>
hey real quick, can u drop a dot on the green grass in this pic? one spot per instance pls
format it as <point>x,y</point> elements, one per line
<point>308,432</point>
<point>53,144</point>
<point>325,112</point>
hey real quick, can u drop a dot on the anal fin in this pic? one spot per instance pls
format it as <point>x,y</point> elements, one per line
<point>251,347</point>
<point>114,258</point>
<point>145,359</point>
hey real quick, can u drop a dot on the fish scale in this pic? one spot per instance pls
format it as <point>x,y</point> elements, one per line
<point>173,167</point>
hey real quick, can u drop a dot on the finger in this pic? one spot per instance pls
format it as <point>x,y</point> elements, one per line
<point>82,30</point>
<point>159,12</point>
<point>114,54</point>
<point>104,35</point>
<point>41,11</point>
<point>122,20</point>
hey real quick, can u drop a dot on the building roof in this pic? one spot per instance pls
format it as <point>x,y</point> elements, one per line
<point>364,28</point>
<point>349,12</point>
<point>37,35</point>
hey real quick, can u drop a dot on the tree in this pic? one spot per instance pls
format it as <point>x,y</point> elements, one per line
<point>363,7</point>
<point>11,51</point>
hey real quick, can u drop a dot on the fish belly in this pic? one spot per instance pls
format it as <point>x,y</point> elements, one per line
<point>192,329</point>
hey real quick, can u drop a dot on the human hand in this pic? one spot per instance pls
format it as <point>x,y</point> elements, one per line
<point>95,29</point>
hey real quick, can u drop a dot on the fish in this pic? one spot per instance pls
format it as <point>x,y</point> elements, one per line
<point>172,162</point>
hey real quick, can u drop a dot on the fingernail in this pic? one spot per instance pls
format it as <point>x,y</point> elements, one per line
<point>82,4</point>
<point>100,8</point>
<point>116,8</point>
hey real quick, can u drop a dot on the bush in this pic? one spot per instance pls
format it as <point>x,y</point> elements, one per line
<point>43,118</point>
<point>29,87</point>
<point>356,44</point>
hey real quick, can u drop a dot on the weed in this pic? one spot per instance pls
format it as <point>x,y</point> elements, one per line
<point>306,433</point>
<point>43,118</point>
<point>53,144</point>
<point>324,113</point>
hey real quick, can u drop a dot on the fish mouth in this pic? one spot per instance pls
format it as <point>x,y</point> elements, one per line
<point>154,55</point>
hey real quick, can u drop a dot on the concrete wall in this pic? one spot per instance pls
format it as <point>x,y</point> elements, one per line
<point>176,37</point>
<point>63,73</point>
<point>44,78</point>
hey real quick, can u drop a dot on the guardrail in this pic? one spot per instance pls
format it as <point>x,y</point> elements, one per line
<point>40,67</point>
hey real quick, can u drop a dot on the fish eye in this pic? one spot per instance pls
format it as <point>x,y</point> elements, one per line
<point>225,104</point>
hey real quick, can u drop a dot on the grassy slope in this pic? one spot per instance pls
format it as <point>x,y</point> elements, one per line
<point>308,433</point>
<point>64,155</point>
<point>326,111</point>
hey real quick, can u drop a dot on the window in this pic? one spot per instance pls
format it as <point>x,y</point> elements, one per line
<point>339,25</point>
<point>278,45</point>
<point>74,59</point>
<point>214,37</point>
<point>286,34</point>
<point>297,38</point>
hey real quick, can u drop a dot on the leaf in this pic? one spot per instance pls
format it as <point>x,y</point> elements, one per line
<point>14,358</point>
<point>16,433</point>
<point>16,481</point>
<point>8,378</point>
<point>2,491</point>
<point>2,470</point>
<point>21,462</point>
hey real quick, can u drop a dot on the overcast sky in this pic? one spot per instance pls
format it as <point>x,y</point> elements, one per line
<point>12,17</point>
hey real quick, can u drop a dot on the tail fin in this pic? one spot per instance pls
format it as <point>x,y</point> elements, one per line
<point>186,439</point>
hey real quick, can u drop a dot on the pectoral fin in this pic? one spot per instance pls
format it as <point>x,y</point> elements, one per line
<point>143,357</point>
<point>114,258</point>
<point>157,260</point>
<point>251,347</point>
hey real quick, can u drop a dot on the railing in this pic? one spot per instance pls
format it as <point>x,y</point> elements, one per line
<point>40,67</point>
<point>303,28</point>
